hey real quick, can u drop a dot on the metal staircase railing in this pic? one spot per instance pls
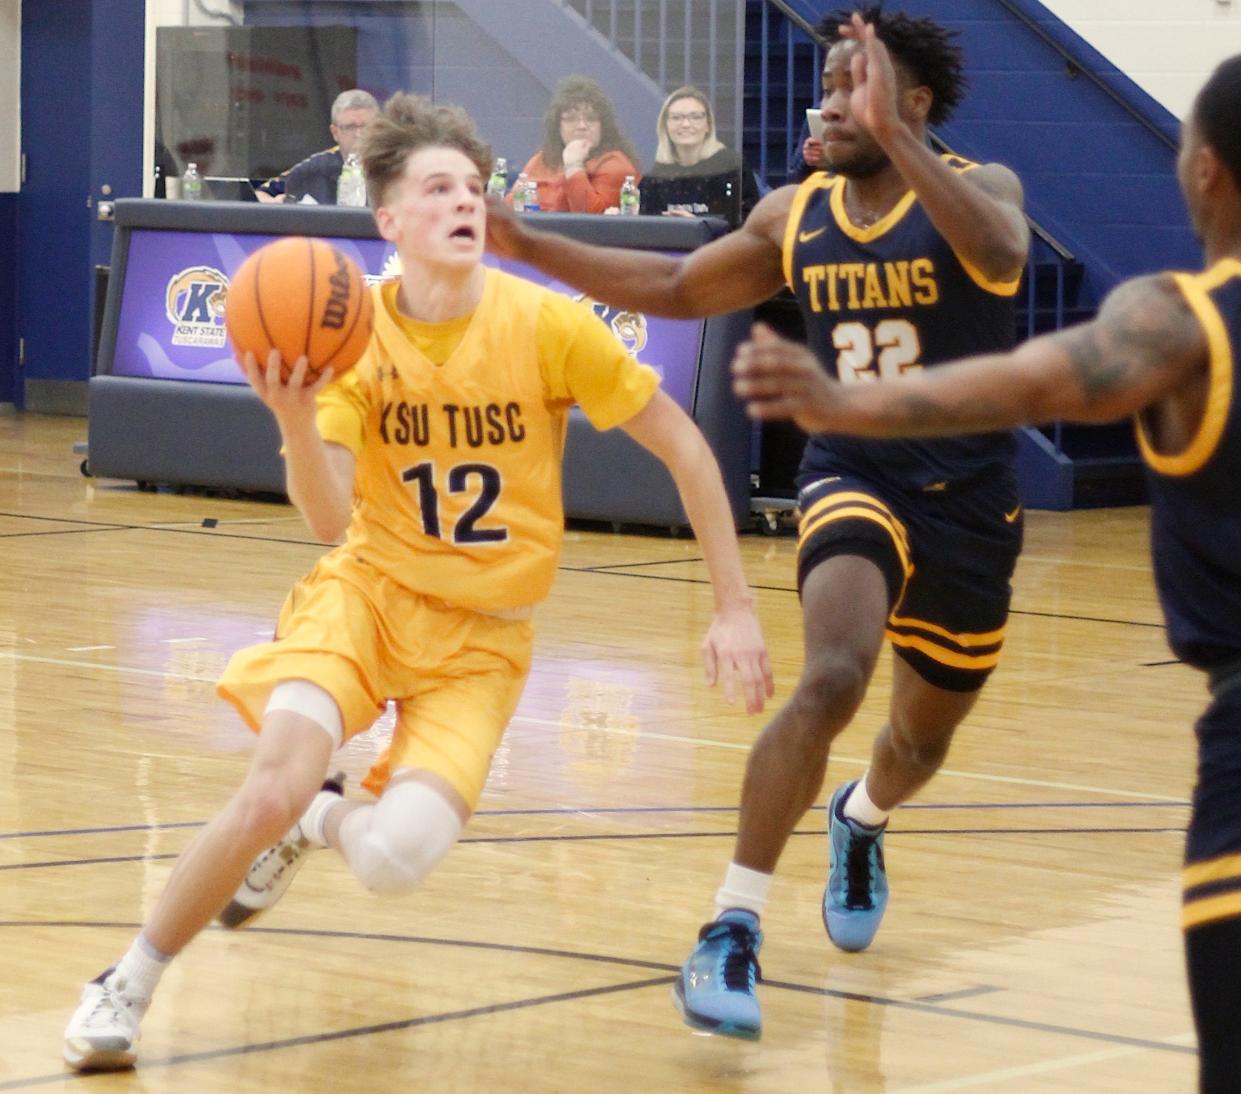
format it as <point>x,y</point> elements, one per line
<point>677,42</point>
<point>760,61</point>
<point>1074,65</point>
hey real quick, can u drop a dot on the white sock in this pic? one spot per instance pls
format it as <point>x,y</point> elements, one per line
<point>860,808</point>
<point>137,973</point>
<point>315,815</point>
<point>743,888</point>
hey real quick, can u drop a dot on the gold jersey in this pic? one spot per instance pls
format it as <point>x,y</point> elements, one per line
<point>458,430</point>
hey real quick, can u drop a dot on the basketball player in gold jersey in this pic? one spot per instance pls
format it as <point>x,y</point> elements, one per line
<point>438,461</point>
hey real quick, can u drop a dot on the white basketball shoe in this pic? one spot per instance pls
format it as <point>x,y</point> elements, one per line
<point>104,1029</point>
<point>272,872</point>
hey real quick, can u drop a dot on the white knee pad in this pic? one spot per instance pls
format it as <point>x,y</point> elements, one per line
<point>310,701</point>
<point>392,845</point>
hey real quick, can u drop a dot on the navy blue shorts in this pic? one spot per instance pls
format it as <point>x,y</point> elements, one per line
<point>947,556</point>
<point>1212,878</point>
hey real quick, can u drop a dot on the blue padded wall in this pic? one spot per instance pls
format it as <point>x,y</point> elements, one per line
<point>8,298</point>
<point>54,224</point>
<point>1099,173</point>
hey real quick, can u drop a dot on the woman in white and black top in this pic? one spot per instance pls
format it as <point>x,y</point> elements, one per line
<point>694,174</point>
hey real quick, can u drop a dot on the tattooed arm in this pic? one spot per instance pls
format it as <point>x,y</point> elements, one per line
<point>1144,346</point>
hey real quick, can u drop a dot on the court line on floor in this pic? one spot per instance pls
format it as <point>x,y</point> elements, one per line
<point>1046,1067</point>
<point>1028,1024</point>
<point>1012,780</point>
<point>892,833</point>
<point>620,810</point>
<point>103,830</point>
<point>64,531</point>
<point>67,520</point>
<point>630,837</point>
<point>347,1034</point>
<point>605,566</point>
<point>606,570</point>
<point>192,527</point>
<point>933,1009</point>
<point>616,569</point>
<point>649,735</point>
<point>619,572</point>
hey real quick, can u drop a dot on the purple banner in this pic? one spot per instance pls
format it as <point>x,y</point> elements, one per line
<point>176,283</point>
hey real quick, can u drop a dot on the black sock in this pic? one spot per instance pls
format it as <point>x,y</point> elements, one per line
<point>1213,953</point>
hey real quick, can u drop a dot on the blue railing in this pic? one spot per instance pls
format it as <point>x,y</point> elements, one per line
<point>772,73</point>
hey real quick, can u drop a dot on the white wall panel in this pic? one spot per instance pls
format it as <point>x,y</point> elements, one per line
<point>10,95</point>
<point>1167,47</point>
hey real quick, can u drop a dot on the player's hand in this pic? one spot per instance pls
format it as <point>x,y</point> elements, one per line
<point>506,234</point>
<point>777,379</point>
<point>734,652</point>
<point>812,152</point>
<point>289,400</point>
<point>873,103</point>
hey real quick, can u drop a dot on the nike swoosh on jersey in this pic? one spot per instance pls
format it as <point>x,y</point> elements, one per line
<point>1010,517</point>
<point>806,237</point>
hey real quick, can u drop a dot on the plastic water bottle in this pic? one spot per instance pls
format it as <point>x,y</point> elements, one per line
<point>519,193</point>
<point>351,187</point>
<point>531,202</point>
<point>629,197</point>
<point>498,183</point>
<point>191,183</point>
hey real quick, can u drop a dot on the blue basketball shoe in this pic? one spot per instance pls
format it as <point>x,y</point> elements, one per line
<point>715,988</point>
<point>857,883</point>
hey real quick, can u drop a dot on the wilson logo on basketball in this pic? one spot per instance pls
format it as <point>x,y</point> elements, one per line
<point>302,297</point>
<point>336,310</point>
<point>194,304</point>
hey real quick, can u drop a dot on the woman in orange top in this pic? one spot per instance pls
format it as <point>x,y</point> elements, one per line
<point>585,157</point>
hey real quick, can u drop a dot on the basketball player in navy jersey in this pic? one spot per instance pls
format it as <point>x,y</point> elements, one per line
<point>900,259</point>
<point>1166,349</point>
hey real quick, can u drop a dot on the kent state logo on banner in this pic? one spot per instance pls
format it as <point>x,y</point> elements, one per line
<point>628,326</point>
<point>194,303</point>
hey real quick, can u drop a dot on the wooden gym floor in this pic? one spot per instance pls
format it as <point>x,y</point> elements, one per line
<point>1031,944</point>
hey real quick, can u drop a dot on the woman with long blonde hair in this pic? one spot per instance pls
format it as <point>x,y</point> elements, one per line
<point>693,169</point>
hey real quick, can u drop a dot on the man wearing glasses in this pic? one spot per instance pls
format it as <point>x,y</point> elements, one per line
<point>316,176</point>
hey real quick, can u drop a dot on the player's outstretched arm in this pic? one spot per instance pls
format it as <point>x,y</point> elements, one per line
<point>733,649</point>
<point>738,270</point>
<point>1144,345</point>
<point>318,475</point>
<point>978,212</point>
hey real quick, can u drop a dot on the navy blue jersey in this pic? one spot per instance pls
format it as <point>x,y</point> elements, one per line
<point>316,175</point>
<point>1196,493</point>
<point>881,300</point>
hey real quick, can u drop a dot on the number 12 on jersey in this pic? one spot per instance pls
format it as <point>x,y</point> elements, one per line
<point>459,482</point>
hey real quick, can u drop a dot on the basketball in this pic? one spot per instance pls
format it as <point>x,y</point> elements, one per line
<point>300,296</point>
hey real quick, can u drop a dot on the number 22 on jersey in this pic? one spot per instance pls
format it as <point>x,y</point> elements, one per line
<point>891,349</point>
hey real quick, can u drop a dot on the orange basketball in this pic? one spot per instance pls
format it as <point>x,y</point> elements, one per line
<point>300,296</point>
